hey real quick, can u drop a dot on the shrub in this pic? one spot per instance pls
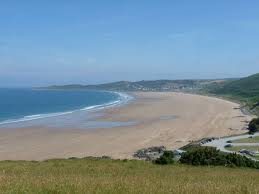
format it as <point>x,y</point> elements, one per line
<point>240,161</point>
<point>203,156</point>
<point>166,158</point>
<point>212,156</point>
<point>253,126</point>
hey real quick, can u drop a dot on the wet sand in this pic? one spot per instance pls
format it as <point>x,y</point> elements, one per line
<point>169,119</point>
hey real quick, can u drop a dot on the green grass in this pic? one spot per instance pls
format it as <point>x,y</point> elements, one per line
<point>247,140</point>
<point>245,90</point>
<point>237,148</point>
<point>111,176</point>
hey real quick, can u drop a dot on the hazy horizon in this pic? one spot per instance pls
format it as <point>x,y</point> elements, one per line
<point>107,82</point>
<point>93,42</point>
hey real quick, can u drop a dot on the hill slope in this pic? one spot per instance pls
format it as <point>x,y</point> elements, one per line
<point>245,90</point>
<point>246,87</point>
<point>152,85</point>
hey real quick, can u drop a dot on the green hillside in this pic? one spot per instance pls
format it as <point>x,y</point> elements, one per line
<point>246,87</point>
<point>245,90</point>
<point>115,176</point>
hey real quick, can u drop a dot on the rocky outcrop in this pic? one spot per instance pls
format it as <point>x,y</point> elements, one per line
<point>150,154</point>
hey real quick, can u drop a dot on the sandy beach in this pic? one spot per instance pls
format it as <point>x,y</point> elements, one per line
<point>169,119</point>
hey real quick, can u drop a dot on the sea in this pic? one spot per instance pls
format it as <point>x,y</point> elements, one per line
<point>57,108</point>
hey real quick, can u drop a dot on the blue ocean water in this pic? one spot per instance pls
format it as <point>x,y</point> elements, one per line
<point>18,105</point>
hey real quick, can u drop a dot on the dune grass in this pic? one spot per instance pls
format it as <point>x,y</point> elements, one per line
<point>113,176</point>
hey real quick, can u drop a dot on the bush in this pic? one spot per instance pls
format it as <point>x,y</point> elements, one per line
<point>240,161</point>
<point>253,126</point>
<point>212,156</point>
<point>203,156</point>
<point>166,158</point>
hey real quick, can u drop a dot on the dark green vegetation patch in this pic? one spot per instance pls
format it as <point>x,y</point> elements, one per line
<point>253,126</point>
<point>166,158</point>
<point>212,156</point>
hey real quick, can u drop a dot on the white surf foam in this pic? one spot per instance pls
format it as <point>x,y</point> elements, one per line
<point>123,98</point>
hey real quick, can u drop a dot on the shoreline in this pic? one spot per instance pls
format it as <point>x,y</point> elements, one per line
<point>243,108</point>
<point>123,99</point>
<point>165,118</point>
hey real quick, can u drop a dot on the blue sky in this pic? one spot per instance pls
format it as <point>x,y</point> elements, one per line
<point>61,42</point>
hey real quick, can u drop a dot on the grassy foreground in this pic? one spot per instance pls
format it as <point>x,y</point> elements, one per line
<point>114,176</point>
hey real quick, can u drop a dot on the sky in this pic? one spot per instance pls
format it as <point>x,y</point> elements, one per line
<point>49,42</point>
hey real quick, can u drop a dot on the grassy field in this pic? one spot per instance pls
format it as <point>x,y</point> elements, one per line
<point>237,148</point>
<point>248,140</point>
<point>110,176</point>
